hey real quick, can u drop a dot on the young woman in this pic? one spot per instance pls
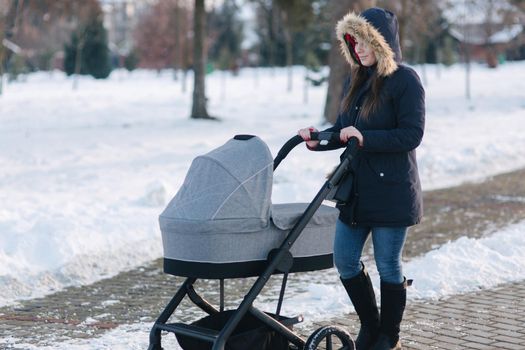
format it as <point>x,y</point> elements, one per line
<point>384,108</point>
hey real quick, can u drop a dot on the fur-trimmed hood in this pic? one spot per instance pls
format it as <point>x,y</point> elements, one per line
<point>379,28</point>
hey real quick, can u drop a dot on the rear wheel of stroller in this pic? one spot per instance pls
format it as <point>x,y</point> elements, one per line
<point>329,338</point>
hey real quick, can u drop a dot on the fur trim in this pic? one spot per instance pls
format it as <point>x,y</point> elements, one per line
<point>358,26</point>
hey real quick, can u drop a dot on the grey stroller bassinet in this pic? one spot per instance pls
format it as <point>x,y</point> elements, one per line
<point>222,224</point>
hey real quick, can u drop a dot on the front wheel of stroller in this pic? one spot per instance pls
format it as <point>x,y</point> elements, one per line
<point>329,338</point>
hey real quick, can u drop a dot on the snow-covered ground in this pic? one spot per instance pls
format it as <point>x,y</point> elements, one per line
<point>84,174</point>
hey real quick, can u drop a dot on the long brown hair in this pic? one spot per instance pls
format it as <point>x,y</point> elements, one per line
<point>359,76</point>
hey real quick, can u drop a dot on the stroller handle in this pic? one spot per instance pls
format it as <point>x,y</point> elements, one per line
<point>326,137</point>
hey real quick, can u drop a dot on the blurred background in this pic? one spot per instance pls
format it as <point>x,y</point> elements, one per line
<point>94,37</point>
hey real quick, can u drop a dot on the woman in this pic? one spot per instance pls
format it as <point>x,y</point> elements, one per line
<point>384,108</point>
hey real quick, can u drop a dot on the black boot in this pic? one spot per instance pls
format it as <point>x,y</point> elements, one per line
<point>361,292</point>
<point>393,301</point>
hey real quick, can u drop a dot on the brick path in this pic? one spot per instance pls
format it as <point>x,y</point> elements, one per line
<point>489,319</point>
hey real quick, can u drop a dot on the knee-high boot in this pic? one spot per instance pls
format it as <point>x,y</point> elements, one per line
<point>361,292</point>
<point>393,301</point>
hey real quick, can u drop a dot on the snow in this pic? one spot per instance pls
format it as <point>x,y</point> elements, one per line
<point>85,173</point>
<point>468,264</point>
<point>136,338</point>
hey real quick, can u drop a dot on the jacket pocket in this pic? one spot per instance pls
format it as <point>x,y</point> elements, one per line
<point>388,168</point>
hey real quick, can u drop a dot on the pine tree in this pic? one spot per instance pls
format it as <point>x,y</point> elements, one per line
<point>91,43</point>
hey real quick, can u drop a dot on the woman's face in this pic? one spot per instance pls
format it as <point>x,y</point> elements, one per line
<point>365,53</point>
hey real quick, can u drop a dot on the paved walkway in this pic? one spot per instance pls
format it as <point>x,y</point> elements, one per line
<point>488,319</point>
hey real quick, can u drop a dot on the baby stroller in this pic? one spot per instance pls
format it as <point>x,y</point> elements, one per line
<point>222,225</point>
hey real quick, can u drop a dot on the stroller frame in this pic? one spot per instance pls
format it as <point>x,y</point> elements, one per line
<point>279,259</point>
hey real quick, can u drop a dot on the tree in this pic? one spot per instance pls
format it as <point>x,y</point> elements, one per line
<point>39,28</point>
<point>131,61</point>
<point>295,16</point>
<point>43,26</point>
<point>198,110</point>
<point>88,53</point>
<point>161,36</point>
<point>267,33</point>
<point>226,34</point>
<point>421,27</point>
<point>8,30</point>
<point>289,29</point>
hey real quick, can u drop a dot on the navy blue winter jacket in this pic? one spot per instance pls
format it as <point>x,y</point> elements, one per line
<point>386,185</point>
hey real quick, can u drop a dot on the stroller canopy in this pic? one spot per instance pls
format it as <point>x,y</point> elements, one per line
<point>226,190</point>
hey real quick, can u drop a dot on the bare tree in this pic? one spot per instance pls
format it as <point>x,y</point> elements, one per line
<point>39,28</point>
<point>267,28</point>
<point>160,36</point>
<point>419,25</point>
<point>339,68</point>
<point>42,28</point>
<point>284,12</point>
<point>177,39</point>
<point>295,16</point>
<point>186,49</point>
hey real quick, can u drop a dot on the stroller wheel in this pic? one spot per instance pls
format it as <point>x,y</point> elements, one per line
<point>329,338</point>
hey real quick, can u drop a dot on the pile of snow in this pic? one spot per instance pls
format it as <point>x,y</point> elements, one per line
<point>468,264</point>
<point>85,173</point>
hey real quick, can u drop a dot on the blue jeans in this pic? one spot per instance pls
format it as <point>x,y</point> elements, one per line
<point>388,247</point>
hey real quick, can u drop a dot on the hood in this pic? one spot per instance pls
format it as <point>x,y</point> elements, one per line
<point>379,28</point>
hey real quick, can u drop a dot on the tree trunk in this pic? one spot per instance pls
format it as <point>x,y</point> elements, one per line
<point>289,58</point>
<point>272,47</point>
<point>78,58</point>
<point>305,86</point>
<point>177,61</point>
<point>289,49</point>
<point>198,110</point>
<point>2,49</point>
<point>185,54</point>
<point>403,21</point>
<point>467,70</point>
<point>339,68</point>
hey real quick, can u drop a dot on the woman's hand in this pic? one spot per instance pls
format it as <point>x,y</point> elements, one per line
<point>349,132</point>
<point>305,134</point>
